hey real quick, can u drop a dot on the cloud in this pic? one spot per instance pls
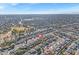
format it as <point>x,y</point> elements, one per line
<point>14,4</point>
<point>72,10</point>
<point>2,7</point>
<point>28,10</point>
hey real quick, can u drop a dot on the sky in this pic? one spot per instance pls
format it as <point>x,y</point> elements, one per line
<point>39,8</point>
